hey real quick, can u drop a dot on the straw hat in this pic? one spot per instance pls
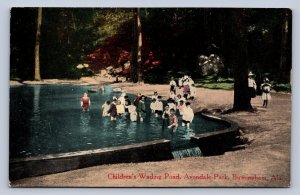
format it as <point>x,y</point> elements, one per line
<point>251,74</point>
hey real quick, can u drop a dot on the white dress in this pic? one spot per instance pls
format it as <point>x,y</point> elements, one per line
<point>105,108</point>
<point>133,113</point>
<point>251,83</point>
<point>266,88</point>
<point>159,106</point>
<point>188,114</point>
<point>152,106</point>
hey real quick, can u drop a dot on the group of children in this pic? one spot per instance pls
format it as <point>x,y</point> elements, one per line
<point>187,84</point>
<point>122,106</point>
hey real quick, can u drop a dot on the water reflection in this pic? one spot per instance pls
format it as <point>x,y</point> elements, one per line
<point>85,122</point>
<point>36,103</point>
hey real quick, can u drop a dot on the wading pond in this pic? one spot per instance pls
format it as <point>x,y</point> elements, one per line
<point>47,119</point>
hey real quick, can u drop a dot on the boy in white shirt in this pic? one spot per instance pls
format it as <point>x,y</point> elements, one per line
<point>158,107</point>
<point>152,105</point>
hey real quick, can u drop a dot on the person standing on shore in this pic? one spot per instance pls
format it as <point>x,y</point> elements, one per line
<point>266,88</point>
<point>155,95</point>
<point>85,102</point>
<point>192,91</point>
<point>173,85</point>
<point>180,82</point>
<point>251,87</point>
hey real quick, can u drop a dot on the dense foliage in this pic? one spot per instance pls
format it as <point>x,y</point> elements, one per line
<point>173,40</point>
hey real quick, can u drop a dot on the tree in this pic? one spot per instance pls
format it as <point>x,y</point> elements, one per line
<point>242,99</point>
<point>37,74</point>
<point>136,53</point>
<point>284,44</point>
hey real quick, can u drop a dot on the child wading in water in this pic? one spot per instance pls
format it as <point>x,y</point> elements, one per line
<point>266,88</point>
<point>141,109</point>
<point>181,107</point>
<point>173,120</point>
<point>158,107</point>
<point>171,104</point>
<point>120,108</point>
<point>105,107</point>
<point>188,115</point>
<point>152,105</point>
<point>166,115</point>
<point>133,113</point>
<point>85,102</point>
<point>113,110</point>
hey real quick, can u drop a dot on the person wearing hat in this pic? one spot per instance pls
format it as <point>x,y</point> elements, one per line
<point>155,95</point>
<point>266,88</point>
<point>251,85</point>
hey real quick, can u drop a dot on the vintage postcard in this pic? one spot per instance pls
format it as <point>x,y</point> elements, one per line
<point>150,97</point>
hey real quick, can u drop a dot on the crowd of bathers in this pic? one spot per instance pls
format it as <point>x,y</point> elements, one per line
<point>137,110</point>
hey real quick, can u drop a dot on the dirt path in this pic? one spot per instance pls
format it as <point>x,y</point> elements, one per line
<point>263,163</point>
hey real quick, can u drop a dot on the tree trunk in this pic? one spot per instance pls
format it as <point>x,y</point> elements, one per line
<point>284,46</point>
<point>136,53</point>
<point>37,75</point>
<point>242,99</point>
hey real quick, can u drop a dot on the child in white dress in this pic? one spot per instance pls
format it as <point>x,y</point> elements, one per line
<point>188,115</point>
<point>266,88</point>
<point>132,112</point>
<point>152,105</point>
<point>105,107</point>
<point>158,107</point>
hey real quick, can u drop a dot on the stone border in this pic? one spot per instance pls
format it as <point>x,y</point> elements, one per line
<point>217,142</point>
<point>232,126</point>
<point>157,150</point>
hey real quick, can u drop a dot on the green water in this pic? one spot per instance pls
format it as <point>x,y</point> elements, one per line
<point>47,119</point>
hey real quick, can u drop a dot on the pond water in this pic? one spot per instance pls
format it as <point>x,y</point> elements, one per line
<point>47,119</point>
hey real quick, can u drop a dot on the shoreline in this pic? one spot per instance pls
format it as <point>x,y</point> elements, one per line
<point>268,131</point>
